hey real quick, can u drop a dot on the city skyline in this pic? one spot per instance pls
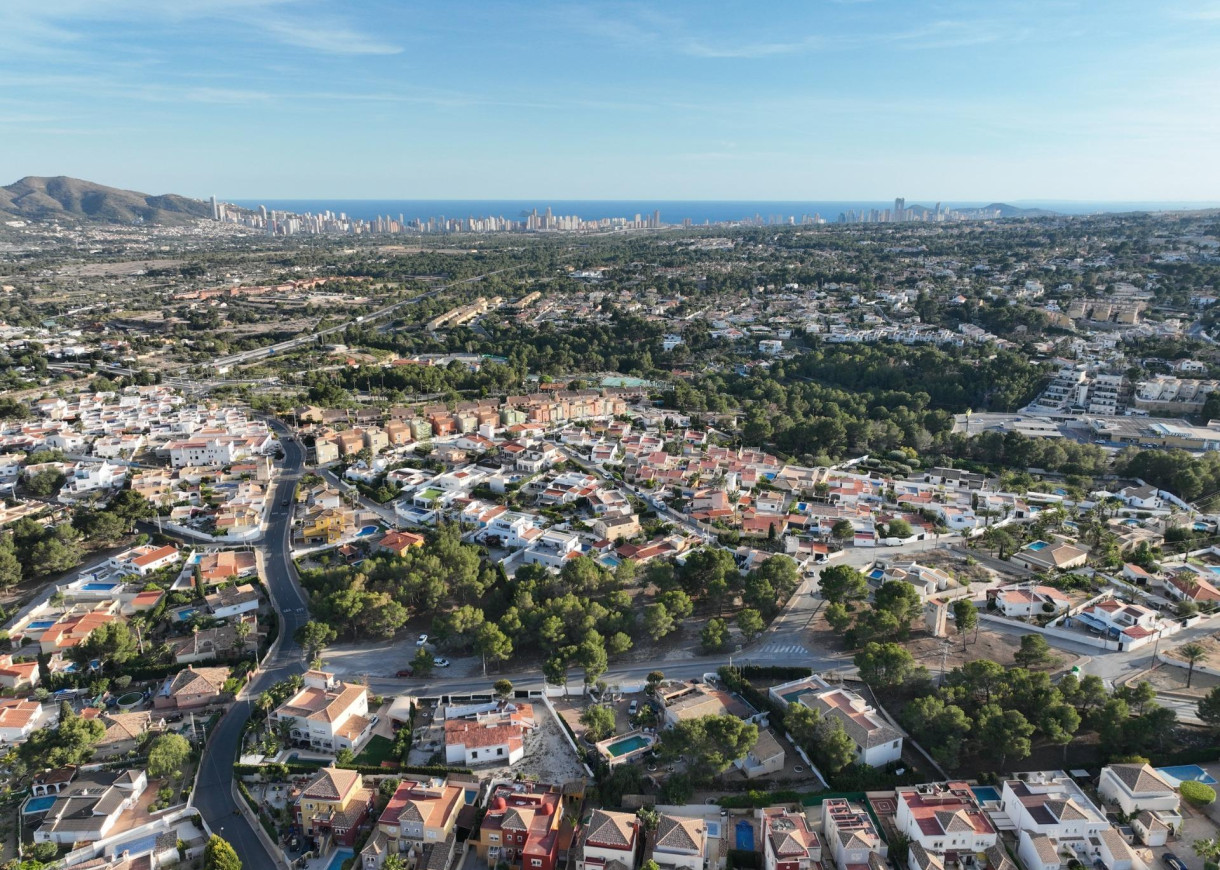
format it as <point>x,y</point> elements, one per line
<point>820,101</point>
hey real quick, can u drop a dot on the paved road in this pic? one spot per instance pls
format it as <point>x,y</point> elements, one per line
<point>213,792</point>
<point>385,512</point>
<point>260,353</point>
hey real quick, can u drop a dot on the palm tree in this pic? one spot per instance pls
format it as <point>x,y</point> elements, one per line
<point>1193,653</point>
<point>241,631</point>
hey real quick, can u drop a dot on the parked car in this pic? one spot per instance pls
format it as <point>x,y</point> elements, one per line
<point>423,639</point>
<point>635,705</point>
<point>405,672</point>
<point>444,663</point>
<point>1172,861</point>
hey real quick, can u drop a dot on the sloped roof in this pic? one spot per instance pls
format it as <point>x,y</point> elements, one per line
<point>1140,778</point>
<point>331,784</point>
<point>676,832</point>
<point>608,828</point>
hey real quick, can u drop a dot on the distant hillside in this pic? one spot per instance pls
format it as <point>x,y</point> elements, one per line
<point>76,200</point>
<point>1007,211</point>
<point>1004,209</point>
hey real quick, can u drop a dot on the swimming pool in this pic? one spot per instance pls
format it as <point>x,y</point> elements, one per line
<point>338,858</point>
<point>1038,545</point>
<point>876,574</point>
<point>40,804</point>
<point>1184,772</point>
<point>745,836</point>
<point>137,847</point>
<point>99,587</point>
<point>42,623</point>
<point>986,793</point>
<point>366,531</point>
<point>629,744</point>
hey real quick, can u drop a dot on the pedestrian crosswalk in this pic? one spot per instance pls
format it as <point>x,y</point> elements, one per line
<point>783,649</point>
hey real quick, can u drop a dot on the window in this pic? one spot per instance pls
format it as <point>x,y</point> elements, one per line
<point>500,751</point>
<point>535,862</point>
<point>493,838</point>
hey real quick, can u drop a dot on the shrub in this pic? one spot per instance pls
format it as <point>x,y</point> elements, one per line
<point>1197,793</point>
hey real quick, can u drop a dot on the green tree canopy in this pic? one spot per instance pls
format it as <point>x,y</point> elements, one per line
<point>219,855</point>
<point>709,744</point>
<point>168,756</point>
<point>843,584</point>
<point>885,665</point>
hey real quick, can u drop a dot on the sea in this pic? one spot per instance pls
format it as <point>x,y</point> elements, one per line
<point>672,211</point>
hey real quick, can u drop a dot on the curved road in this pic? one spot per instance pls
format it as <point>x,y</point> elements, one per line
<point>213,795</point>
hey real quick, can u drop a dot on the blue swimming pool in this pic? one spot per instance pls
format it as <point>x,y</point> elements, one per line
<point>1038,545</point>
<point>99,587</point>
<point>627,745</point>
<point>986,793</point>
<point>138,846</point>
<point>338,858</point>
<point>366,531</point>
<point>39,804</point>
<point>745,836</point>
<point>1184,772</point>
<point>876,574</point>
<point>42,623</point>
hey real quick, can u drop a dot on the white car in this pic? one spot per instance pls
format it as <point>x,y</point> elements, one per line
<point>423,639</point>
<point>441,663</point>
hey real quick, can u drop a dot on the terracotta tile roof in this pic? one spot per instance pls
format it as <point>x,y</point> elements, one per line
<point>332,784</point>
<point>611,829</point>
<point>681,833</point>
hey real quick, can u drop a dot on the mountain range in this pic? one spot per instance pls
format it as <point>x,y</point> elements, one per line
<point>71,199</point>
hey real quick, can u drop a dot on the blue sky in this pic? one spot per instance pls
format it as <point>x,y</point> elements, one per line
<point>808,100</point>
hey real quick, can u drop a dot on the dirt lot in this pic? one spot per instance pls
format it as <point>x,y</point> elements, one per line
<point>1212,645</point>
<point>129,267</point>
<point>1167,678</point>
<point>928,650</point>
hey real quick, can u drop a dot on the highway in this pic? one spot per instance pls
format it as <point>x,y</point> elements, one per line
<point>271,350</point>
<point>214,788</point>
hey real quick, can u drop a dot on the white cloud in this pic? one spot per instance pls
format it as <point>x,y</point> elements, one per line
<point>38,28</point>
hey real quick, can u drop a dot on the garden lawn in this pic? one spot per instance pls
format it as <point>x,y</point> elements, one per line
<point>377,750</point>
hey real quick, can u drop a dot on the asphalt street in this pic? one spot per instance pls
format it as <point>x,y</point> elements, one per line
<point>214,789</point>
<point>787,641</point>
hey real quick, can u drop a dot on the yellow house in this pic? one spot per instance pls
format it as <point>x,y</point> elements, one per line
<point>334,805</point>
<point>327,526</point>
